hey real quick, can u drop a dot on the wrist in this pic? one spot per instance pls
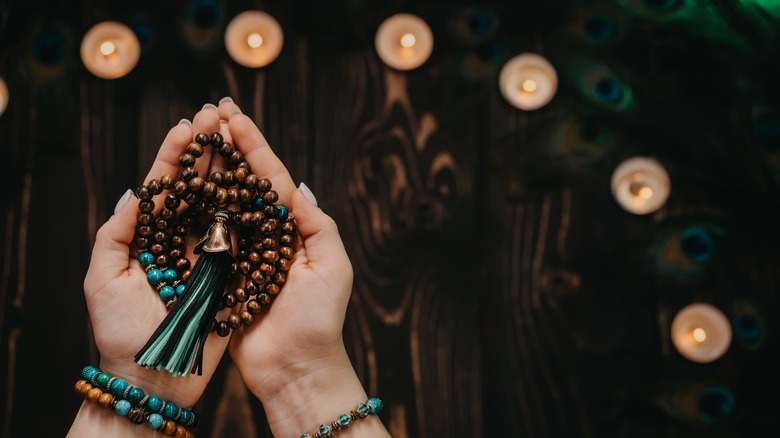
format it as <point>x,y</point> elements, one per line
<point>95,421</point>
<point>153,382</point>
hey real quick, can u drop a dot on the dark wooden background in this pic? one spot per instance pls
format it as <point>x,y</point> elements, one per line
<point>499,289</point>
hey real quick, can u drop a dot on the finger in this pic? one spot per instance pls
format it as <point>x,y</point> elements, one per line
<point>321,240</point>
<point>262,160</point>
<point>167,160</point>
<point>205,121</point>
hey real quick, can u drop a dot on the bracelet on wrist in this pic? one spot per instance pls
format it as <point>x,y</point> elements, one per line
<point>132,402</point>
<point>372,407</point>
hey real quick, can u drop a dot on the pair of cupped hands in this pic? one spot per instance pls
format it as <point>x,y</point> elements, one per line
<point>292,358</point>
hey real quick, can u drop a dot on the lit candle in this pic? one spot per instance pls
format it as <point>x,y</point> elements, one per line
<point>528,81</point>
<point>404,41</point>
<point>110,50</point>
<point>3,96</point>
<point>254,39</point>
<point>701,333</point>
<point>640,185</point>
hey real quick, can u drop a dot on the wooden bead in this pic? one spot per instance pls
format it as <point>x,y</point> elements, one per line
<point>209,190</point>
<point>246,217</point>
<point>145,231</point>
<point>181,188</point>
<point>176,253</point>
<point>168,213</point>
<point>244,195</point>
<point>186,160</point>
<point>230,178</point>
<point>79,386</point>
<point>202,139</point>
<point>287,239</point>
<point>241,175</point>
<point>157,248</point>
<point>177,241</point>
<point>289,227</point>
<point>264,299</point>
<point>155,188</point>
<point>284,265</point>
<point>257,219</point>
<point>232,195</point>
<point>269,243</point>
<point>181,432</point>
<point>182,264</point>
<point>255,258</point>
<point>195,149</point>
<point>234,321</point>
<point>280,278</point>
<point>245,267</point>
<point>196,184</point>
<point>273,289</point>
<point>145,218</point>
<point>229,300</point>
<point>216,139</point>
<point>186,274</point>
<point>142,242</point>
<point>253,307</point>
<point>146,206</point>
<point>223,329</point>
<point>270,197</point>
<point>160,236</point>
<point>246,317</point>
<point>94,394</point>
<point>222,196</point>
<point>105,400</point>
<point>286,252</point>
<point>241,295</point>
<point>270,210</point>
<point>161,223</point>
<point>188,173</point>
<point>169,427</point>
<point>226,150</point>
<point>251,181</point>
<point>244,243</point>
<point>162,260</point>
<point>267,269</point>
<point>251,288</point>
<point>217,178</point>
<point>258,277</point>
<point>236,157</point>
<point>191,199</point>
<point>167,182</point>
<point>264,185</point>
<point>143,193</point>
<point>270,256</point>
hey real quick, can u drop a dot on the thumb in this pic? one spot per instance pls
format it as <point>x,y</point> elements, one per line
<point>321,240</point>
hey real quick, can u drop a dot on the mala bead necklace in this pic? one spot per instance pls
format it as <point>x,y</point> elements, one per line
<point>193,294</point>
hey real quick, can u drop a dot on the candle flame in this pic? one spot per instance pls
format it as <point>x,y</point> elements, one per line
<point>254,40</point>
<point>529,86</point>
<point>408,40</point>
<point>699,334</point>
<point>107,48</point>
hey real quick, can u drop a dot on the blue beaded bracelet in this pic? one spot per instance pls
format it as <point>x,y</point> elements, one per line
<point>134,396</point>
<point>363,410</point>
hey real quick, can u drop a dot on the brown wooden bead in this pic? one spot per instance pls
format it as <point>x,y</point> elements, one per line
<point>242,255</point>
<point>186,160</point>
<point>161,223</point>
<point>169,427</point>
<point>145,231</point>
<point>236,157</point>
<point>257,218</point>
<point>234,321</point>
<point>160,236</point>
<point>251,288</point>
<point>264,185</point>
<point>216,139</point>
<point>162,260</point>
<point>289,227</point>
<point>181,432</point>
<point>246,217</point>
<point>157,248</point>
<point>177,241</point>
<point>258,277</point>
<point>267,269</point>
<point>168,213</point>
<point>244,195</point>
<point>202,139</point>
<point>270,197</point>
<point>269,243</point>
<point>142,242</point>
<point>222,196</point>
<point>245,267</point>
<point>143,193</point>
<point>270,210</point>
<point>268,227</point>
<point>146,206</point>
<point>287,239</point>
<point>145,218</point>
<point>94,394</point>
<point>243,165</point>
<point>253,307</point>
<point>223,329</point>
<point>155,188</point>
<point>251,181</point>
<point>254,258</point>
<point>241,175</point>
<point>273,289</point>
<point>286,252</point>
<point>226,150</point>
<point>246,317</point>
<point>217,178</point>
<point>241,295</point>
<point>182,264</point>
<point>264,299</point>
<point>188,173</point>
<point>180,230</point>
<point>284,265</point>
<point>191,199</point>
<point>186,275</point>
<point>270,256</point>
<point>232,195</point>
<point>181,188</point>
<point>230,178</point>
<point>233,269</point>
<point>79,387</point>
<point>176,253</point>
<point>244,243</point>
<point>195,149</point>
<point>105,400</point>
<point>229,300</point>
<point>167,181</point>
<point>280,278</point>
<point>209,190</point>
<point>196,184</point>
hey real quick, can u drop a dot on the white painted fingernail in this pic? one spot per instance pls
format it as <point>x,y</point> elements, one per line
<point>210,106</point>
<point>225,99</point>
<point>308,194</point>
<point>185,122</point>
<point>123,200</point>
<point>234,112</point>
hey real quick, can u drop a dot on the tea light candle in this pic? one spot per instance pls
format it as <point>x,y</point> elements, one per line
<point>528,81</point>
<point>701,333</point>
<point>404,41</point>
<point>640,185</point>
<point>110,50</point>
<point>254,39</point>
<point>3,96</point>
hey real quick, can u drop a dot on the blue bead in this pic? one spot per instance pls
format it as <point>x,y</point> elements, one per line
<point>118,387</point>
<point>326,431</point>
<point>171,410</point>
<point>179,290</point>
<point>122,407</point>
<point>154,403</point>
<point>135,395</point>
<point>146,259</point>
<point>170,275</point>
<point>258,203</point>
<point>305,435</point>
<point>282,212</point>
<point>374,405</point>
<point>167,293</point>
<point>185,417</point>
<point>155,421</point>
<point>344,421</point>
<point>362,410</point>
<point>89,371</point>
<point>155,276</point>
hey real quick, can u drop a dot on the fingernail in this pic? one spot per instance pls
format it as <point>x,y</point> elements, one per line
<point>234,112</point>
<point>185,122</point>
<point>308,194</point>
<point>123,200</point>
<point>210,106</point>
<point>225,99</point>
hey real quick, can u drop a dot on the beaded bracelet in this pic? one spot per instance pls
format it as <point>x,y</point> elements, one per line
<point>372,406</point>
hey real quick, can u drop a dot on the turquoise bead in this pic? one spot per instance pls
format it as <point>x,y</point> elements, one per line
<point>362,410</point>
<point>135,395</point>
<point>185,417</point>
<point>305,435</point>
<point>118,387</point>
<point>282,210</point>
<point>89,372</point>
<point>171,410</point>
<point>155,276</point>
<point>154,403</point>
<point>179,290</point>
<point>167,293</point>
<point>122,407</point>
<point>146,259</point>
<point>344,421</point>
<point>102,379</point>
<point>374,405</point>
<point>326,431</point>
<point>258,203</point>
<point>155,421</point>
<point>170,275</point>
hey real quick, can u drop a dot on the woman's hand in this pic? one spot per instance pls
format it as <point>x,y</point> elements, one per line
<point>293,357</point>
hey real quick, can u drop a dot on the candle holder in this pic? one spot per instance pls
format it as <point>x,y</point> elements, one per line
<point>528,81</point>
<point>254,39</point>
<point>404,41</point>
<point>110,50</point>
<point>640,185</point>
<point>701,333</point>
